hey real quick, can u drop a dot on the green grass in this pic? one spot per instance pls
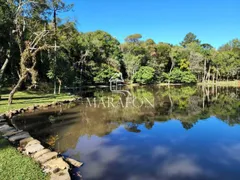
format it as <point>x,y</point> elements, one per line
<point>28,98</point>
<point>222,83</point>
<point>15,166</point>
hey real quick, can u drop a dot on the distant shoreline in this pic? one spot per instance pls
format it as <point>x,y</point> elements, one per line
<point>210,83</point>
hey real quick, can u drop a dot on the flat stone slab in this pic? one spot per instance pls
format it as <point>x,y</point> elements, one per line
<point>2,120</point>
<point>2,116</point>
<point>74,162</point>
<point>19,136</point>
<point>60,175</point>
<point>5,128</point>
<point>32,142</point>
<point>40,153</point>
<point>12,132</point>
<point>23,142</point>
<point>57,163</point>
<point>46,157</point>
<point>33,149</point>
<point>3,123</point>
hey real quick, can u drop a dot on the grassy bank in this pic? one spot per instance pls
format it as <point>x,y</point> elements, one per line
<point>222,83</point>
<point>210,83</point>
<point>16,166</point>
<point>28,98</point>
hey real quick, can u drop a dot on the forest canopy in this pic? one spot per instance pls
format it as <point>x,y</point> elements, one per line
<point>38,47</point>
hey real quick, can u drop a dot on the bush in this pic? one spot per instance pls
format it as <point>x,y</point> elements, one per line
<point>178,76</point>
<point>145,75</point>
<point>104,74</point>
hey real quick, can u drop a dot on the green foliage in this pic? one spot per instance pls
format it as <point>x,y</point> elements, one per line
<point>134,38</point>
<point>150,42</point>
<point>104,74</point>
<point>145,75</point>
<point>159,59</point>
<point>190,38</point>
<point>178,76</point>
<point>92,57</point>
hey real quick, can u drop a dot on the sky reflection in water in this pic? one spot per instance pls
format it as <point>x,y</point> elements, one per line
<point>192,133</point>
<point>167,151</point>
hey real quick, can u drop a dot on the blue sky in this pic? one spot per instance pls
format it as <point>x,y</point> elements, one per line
<point>213,21</point>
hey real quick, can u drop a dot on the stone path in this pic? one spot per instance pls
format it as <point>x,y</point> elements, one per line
<point>50,161</point>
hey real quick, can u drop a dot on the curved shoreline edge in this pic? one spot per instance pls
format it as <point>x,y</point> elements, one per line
<point>51,162</point>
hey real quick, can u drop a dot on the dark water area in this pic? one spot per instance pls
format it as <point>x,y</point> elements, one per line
<point>151,133</point>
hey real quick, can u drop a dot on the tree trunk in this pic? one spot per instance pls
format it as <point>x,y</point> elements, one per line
<point>60,85</point>
<point>172,66</point>
<point>203,97</point>
<point>213,77</point>
<point>4,66</point>
<point>55,48</point>
<point>204,70</point>
<point>3,69</point>
<point>208,75</point>
<point>20,81</point>
<point>171,105</point>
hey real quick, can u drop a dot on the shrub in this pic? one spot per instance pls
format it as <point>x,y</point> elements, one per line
<point>178,76</point>
<point>144,75</point>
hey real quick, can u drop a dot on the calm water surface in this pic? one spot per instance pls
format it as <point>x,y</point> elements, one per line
<point>190,133</point>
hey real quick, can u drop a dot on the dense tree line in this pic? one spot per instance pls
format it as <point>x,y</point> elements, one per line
<point>38,49</point>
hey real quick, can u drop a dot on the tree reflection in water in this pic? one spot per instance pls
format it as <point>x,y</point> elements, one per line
<point>186,104</point>
<point>125,136</point>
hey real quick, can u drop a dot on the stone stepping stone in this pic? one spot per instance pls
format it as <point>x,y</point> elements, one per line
<point>60,175</point>
<point>46,157</point>
<point>74,162</point>
<point>5,128</point>
<point>32,142</point>
<point>54,164</point>
<point>23,142</point>
<point>12,132</point>
<point>33,149</point>
<point>19,136</point>
<point>2,120</point>
<point>40,153</point>
<point>3,123</point>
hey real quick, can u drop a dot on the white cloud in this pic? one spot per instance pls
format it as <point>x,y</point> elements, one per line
<point>233,151</point>
<point>180,166</point>
<point>160,151</point>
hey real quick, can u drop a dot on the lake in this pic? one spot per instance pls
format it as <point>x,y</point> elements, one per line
<point>148,133</point>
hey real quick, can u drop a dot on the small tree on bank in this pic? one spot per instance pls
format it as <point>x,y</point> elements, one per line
<point>29,46</point>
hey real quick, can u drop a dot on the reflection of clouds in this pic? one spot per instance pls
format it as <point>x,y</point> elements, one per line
<point>96,155</point>
<point>175,167</point>
<point>233,151</point>
<point>160,151</point>
<point>139,177</point>
<point>131,158</point>
<point>85,147</point>
<point>144,136</point>
<point>178,140</point>
<point>180,166</point>
<point>97,167</point>
<point>103,160</point>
